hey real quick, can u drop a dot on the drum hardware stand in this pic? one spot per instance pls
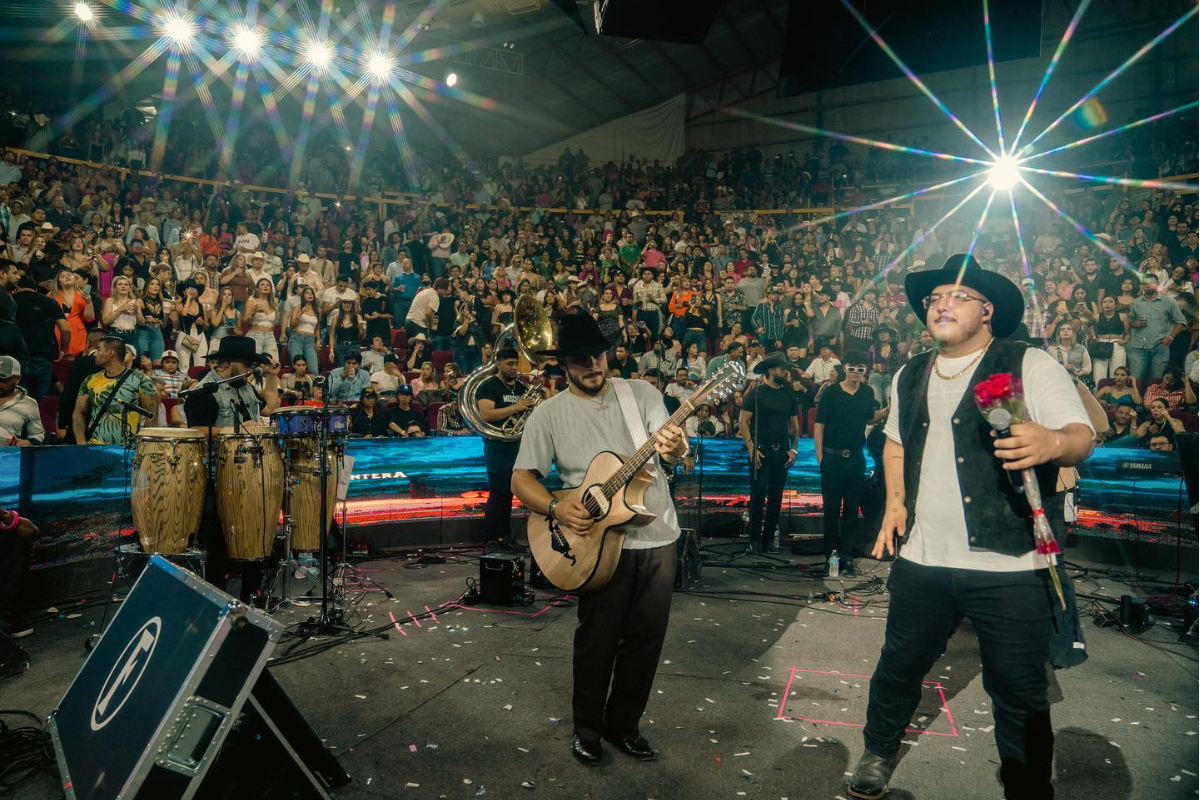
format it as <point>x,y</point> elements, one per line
<point>327,621</point>
<point>128,557</point>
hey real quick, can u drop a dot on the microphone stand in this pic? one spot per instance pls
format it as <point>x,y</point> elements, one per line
<point>325,622</point>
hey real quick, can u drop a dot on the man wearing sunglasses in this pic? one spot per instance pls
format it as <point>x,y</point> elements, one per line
<point>965,530</point>
<point>845,411</point>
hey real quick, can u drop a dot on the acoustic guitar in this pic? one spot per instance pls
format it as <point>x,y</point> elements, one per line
<point>613,491</point>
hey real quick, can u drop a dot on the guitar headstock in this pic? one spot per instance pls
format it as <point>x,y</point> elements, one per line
<point>722,384</point>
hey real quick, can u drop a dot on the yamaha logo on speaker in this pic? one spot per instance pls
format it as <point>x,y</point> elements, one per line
<point>123,678</point>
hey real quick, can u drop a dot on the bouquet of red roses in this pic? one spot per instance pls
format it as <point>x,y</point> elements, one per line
<point>1001,400</point>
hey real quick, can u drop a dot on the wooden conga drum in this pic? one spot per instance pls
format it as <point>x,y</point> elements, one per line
<point>167,496</point>
<point>249,492</point>
<point>306,492</point>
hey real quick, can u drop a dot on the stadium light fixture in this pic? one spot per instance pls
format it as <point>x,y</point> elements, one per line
<point>318,55</point>
<point>247,42</point>
<point>178,29</point>
<point>1004,174</point>
<point>84,12</point>
<point>452,79</point>
<point>380,66</point>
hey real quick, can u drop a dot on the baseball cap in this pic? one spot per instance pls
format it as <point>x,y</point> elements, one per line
<point>170,354</point>
<point>9,367</point>
<point>404,388</point>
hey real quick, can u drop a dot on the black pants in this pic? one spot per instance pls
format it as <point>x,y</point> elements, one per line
<point>841,494</point>
<point>618,642</point>
<point>14,565</point>
<point>1012,617</point>
<point>499,458</point>
<point>766,488</point>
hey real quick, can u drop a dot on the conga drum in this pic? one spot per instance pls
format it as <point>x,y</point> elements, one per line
<point>167,497</point>
<point>249,492</point>
<point>305,458</point>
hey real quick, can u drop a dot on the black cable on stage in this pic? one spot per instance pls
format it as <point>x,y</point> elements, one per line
<point>25,751</point>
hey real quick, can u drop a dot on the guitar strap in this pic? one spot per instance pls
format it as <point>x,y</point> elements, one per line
<point>633,417</point>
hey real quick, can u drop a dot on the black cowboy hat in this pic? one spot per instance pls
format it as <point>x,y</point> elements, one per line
<point>1007,302</point>
<point>579,335</point>
<point>239,348</point>
<point>1021,334</point>
<point>887,328</point>
<point>775,359</point>
<point>183,286</point>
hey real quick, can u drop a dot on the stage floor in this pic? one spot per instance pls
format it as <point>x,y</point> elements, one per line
<point>753,699</point>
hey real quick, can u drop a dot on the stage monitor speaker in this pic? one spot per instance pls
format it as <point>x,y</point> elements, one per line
<point>687,559</point>
<point>178,671</point>
<point>502,579</point>
<point>656,20</point>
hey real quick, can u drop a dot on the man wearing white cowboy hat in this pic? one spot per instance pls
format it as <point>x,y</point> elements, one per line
<point>974,556</point>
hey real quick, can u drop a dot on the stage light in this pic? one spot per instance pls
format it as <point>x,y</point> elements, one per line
<point>380,66</point>
<point>84,12</point>
<point>1004,174</point>
<point>318,54</point>
<point>180,30</point>
<point>452,79</point>
<point>247,41</point>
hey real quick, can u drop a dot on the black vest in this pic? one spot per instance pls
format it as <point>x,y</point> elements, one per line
<point>998,516</point>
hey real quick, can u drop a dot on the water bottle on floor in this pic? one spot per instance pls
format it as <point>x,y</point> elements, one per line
<point>834,564</point>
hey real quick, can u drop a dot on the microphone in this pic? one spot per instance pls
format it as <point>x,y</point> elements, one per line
<point>1000,420</point>
<point>258,373</point>
<point>135,409</point>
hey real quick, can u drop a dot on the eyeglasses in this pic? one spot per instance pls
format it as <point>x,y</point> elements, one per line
<point>857,370</point>
<point>953,299</point>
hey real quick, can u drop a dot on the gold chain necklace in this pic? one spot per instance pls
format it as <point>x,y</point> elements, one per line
<point>962,371</point>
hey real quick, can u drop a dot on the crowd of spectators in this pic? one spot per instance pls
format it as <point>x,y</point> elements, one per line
<point>396,303</point>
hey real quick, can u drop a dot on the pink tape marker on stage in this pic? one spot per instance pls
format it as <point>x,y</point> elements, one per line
<point>787,690</point>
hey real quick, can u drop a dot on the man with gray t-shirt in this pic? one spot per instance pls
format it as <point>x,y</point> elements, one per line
<point>622,624</point>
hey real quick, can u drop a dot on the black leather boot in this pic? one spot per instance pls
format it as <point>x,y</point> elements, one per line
<point>586,753</point>
<point>871,776</point>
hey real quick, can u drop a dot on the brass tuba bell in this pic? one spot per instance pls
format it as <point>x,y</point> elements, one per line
<point>532,332</point>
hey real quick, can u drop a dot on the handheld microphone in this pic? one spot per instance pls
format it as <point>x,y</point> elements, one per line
<point>135,409</point>
<point>1000,420</point>
<point>258,373</point>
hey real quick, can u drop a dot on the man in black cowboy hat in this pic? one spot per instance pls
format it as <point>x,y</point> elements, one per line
<point>225,408</point>
<point>621,625</point>
<point>231,405</point>
<point>972,556</point>
<point>770,428</point>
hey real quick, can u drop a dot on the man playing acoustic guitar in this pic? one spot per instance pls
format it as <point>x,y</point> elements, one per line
<point>622,624</point>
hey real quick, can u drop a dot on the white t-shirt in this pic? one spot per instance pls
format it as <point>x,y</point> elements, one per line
<point>426,298</point>
<point>334,297</point>
<point>820,370</point>
<point>937,534</point>
<point>246,243</point>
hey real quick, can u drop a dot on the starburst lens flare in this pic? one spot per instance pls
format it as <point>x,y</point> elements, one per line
<point>247,42</point>
<point>380,66</point>
<point>179,30</point>
<point>318,54</point>
<point>84,12</point>
<point>1003,176</point>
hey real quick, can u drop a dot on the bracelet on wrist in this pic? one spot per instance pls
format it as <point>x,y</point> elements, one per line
<point>550,508</point>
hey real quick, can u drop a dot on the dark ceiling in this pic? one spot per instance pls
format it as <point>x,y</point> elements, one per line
<point>569,81</point>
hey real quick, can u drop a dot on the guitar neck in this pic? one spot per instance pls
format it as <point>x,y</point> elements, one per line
<point>643,453</point>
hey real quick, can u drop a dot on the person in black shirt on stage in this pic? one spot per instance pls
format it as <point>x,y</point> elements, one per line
<point>501,397</point>
<point>843,414</point>
<point>770,428</point>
